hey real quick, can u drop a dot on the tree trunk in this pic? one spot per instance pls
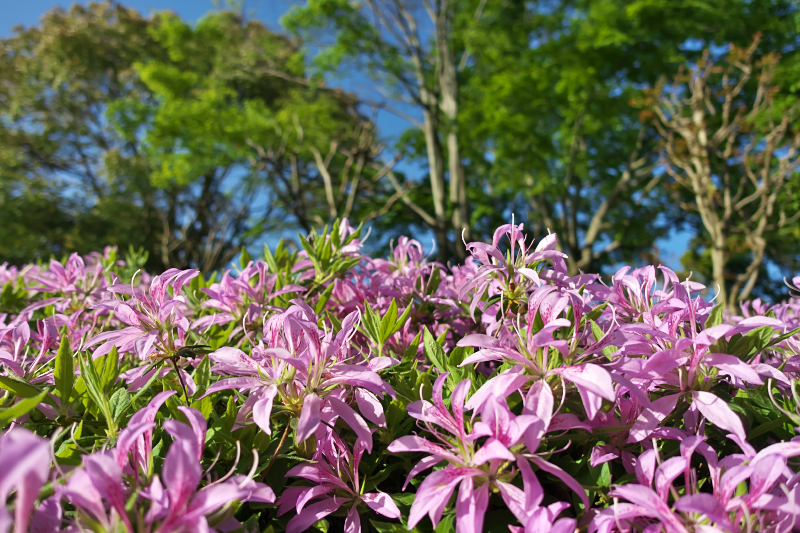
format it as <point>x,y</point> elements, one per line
<point>718,271</point>
<point>448,84</point>
<point>437,185</point>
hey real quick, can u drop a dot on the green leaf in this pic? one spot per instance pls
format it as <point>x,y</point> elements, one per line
<point>270,259</point>
<point>388,527</point>
<point>64,371</point>
<point>433,351</point>
<point>230,413</point>
<point>768,427</point>
<point>434,281</point>
<point>781,338</point>
<point>23,389</point>
<point>205,406</point>
<point>323,299</point>
<point>401,320</point>
<point>94,387</point>
<point>202,376</point>
<point>595,313</point>
<point>110,370</point>
<point>119,403</point>
<point>409,358</point>
<point>19,409</point>
<point>601,475</point>
<point>597,331</point>
<point>335,322</point>
<point>715,316</point>
<point>141,392</point>
<point>217,336</point>
<point>245,257</point>
<point>310,251</point>
<point>387,322</point>
<point>458,373</point>
<point>371,323</point>
<point>447,525</point>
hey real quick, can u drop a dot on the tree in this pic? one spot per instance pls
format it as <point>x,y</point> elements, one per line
<point>407,45</point>
<point>191,141</point>
<point>550,118</point>
<point>730,144</point>
<point>235,93</point>
<point>56,80</point>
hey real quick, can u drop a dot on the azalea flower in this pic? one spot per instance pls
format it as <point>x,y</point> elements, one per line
<point>309,371</point>
<point>24,467</point>
<point>155,320</point>
<point>243,299</point>
<point>334,472</point>
<point>476,469</point>
<point>178,505</point>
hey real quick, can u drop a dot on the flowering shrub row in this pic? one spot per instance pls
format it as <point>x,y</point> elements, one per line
<point>330,391</point>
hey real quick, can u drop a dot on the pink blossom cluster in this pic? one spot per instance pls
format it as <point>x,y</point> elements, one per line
<point>321,389</point>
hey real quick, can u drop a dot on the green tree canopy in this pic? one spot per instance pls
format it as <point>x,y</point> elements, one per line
<point>190,141</point>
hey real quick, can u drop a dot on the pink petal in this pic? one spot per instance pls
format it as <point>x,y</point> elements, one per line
<point>514,499</point>
<point>590,377</point>
<point>370,406</point>
<point>718,413</point>
<point>652,416</point>
<point>352,523</point>
<point>603,454</point>
<point>424,464</point>
<point>664,361</point>
<point>566,478</point>
<point>354,420</point>
<point>311,493</point>
<point>705,504</point>
<point>309,417</point>
<point>412,443</point>
<point>493,449</point>
<point>502,386</point>
<point>766,471</point>
<point>566,421</point>
<point>666,474</point>
<point>242,384</point>
<point>471,507</point>
<point>646,468</point>
<point>539,402</point>
<point>434,493</point>
<point>381,503</point>
<point>312,514</point>
<point>533,489</point>
<point>733,366</point>
<point>262,409</point>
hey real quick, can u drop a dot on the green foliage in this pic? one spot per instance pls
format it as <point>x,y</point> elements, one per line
<point>64,372</point>
<point>327,252</point>
<point>156,134</point>
<point>19,409</point>
<point>94,388</point>
<point>381,329</point>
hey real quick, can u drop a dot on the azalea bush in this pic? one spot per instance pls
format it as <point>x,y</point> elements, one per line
<point>322,389</point>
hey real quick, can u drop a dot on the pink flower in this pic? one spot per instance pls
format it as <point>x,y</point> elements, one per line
<point>24,467</point>
<point>154,318</point>
<point>474,468</point>
<point>309,371</point>
<point>336,484</point>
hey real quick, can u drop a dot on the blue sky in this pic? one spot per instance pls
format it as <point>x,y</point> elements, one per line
<point>28,12</point>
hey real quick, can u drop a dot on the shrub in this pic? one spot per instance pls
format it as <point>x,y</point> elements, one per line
<point>328,390</point>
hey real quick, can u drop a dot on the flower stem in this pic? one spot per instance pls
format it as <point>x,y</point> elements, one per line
<point>180,378</point>
<point>277,451</point>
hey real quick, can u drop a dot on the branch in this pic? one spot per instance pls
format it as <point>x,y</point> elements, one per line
<point>429,220</point>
